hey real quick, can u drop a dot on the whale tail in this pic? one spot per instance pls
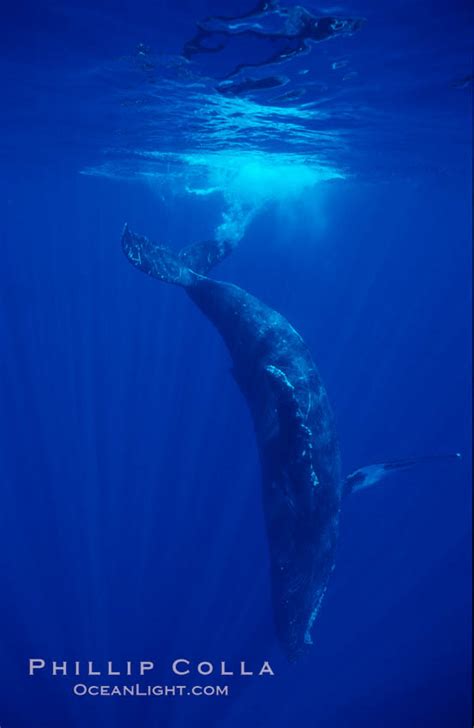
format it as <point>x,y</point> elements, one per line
<point>183,268</point>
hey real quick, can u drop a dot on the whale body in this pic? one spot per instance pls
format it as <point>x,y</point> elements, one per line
<point>302,485</point>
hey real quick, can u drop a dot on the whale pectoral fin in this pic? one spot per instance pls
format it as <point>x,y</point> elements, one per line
<point>294,432</point>
<point>373,474</point>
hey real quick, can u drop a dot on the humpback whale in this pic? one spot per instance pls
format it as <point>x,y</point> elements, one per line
<point>302,484</point>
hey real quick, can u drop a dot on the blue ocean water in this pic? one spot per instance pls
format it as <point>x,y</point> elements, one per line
<point>131,523</point>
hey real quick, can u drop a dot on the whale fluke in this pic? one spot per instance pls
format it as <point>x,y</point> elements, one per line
<point>201,257</point>
<point>183,268</point>
<point>154,260</point>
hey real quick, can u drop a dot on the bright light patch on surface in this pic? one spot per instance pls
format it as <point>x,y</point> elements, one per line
<point>250,150</point>
<point>248,181</point>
